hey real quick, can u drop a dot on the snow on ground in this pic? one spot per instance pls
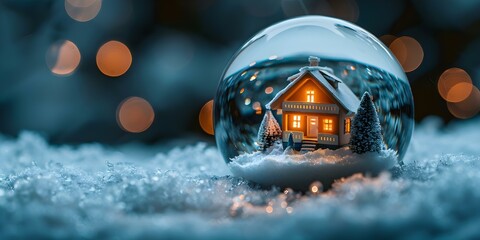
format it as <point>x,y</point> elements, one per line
<point>299,170</point>
<point>94,191</point>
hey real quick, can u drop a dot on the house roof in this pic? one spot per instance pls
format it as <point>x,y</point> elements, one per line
<point>323,75</point>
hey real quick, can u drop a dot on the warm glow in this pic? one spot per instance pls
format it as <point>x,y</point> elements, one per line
<point>296,121</point>
<point>269,209</point>
<point>206,118</point>
<point>268,90</point>
<point>242,90</point>
<point>327,124</point>
<point>455,85</point>
<point>63,58</point>
<point>388,39</point>
<point>114,58</point>
<point>468,107</point>
<point>310,96</point>
<point>408,51</point>
<point>347,125</point>
<point>459,92</point>
<point>316,187</point>
<point>83,10</point>
<point>135,115</point>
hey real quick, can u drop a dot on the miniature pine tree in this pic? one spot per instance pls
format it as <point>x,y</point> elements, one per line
<point>290,140</point>
<point>366,135</point>
<point>269,131</point>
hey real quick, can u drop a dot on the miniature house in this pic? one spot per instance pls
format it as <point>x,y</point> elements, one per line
<point>316,108</point>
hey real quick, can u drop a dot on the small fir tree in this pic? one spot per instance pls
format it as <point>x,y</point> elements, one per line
<point>366,135</point>
<point>269,131</point>
<point>290,141</point>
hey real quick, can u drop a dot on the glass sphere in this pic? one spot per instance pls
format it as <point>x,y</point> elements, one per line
<point>259,70</point>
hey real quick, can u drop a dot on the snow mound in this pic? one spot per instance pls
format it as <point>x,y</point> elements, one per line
<point>93,191</point>
<point>299,170</point>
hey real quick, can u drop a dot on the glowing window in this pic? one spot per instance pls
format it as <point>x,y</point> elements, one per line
<point>310,96</point>
<point>296,121</point>
<point>347,125</point>
<point>327,124</point>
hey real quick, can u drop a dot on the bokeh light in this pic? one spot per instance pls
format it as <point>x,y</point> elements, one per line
<point>454,85</point>
<point>83,10</point>
<point>135,115</point>
<point>269,90</point>
<point>408,51</point>
<point>468,107</point>
<point>63,58</point>
<point>387,39</point>
<point>206,118</point>
<point>114,58</point>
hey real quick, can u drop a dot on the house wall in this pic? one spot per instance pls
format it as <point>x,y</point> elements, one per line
<point>287,122</point>
<point>343,138</point>
<point>300,93</point>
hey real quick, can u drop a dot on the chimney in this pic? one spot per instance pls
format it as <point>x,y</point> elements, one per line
<point>313,61</point>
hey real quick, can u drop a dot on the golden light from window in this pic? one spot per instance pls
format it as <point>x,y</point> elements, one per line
<point>114,58</point>
<point>454,85</point>
<point>468,107</point>
<point>269,90</point>
<point>205,118</point>
<point>63,58</point>
<point>135,115</point>
<point>83,10</point>
<point>310,96</point>
<point>296,121</point>
<point>408,51</point>
<point>327,124</point>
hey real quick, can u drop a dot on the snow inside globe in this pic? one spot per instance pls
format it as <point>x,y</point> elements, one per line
<point>312,99</point>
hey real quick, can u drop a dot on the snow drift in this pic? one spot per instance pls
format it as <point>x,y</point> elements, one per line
<point>299,170</point>
<point>133,192</point>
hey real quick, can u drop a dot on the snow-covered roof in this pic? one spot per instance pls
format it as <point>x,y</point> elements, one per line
<point>342,93</point>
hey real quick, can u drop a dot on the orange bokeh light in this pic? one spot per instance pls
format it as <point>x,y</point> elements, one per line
<point>468,107</point>
<point>408,51</point>
<point>63,58</point>
<point>135,115</point>
<point>83,10</point>
<point>387,39</point>
<point>205,118</point>
<point>454,85</point>
<point>269,90</point>
<point>114,58</point>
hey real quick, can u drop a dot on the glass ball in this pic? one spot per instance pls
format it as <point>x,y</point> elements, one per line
<point>259,70</point>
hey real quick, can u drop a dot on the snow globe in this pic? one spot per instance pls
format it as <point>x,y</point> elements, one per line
<point>312,99</point>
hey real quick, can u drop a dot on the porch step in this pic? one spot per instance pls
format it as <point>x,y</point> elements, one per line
<point>308,145</point>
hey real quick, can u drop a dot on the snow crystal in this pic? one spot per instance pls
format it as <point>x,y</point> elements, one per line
<point>95,191</point>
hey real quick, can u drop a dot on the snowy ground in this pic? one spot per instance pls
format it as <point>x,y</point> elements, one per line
<point>92,191</point>
<point>299,169</point>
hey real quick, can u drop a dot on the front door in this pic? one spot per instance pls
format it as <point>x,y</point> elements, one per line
<point>312,127</point>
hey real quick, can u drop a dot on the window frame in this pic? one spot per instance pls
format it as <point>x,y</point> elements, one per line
<point>297,121</point>
<point>310,96</point>
<point>348,125</point>
<point>328,124</point>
